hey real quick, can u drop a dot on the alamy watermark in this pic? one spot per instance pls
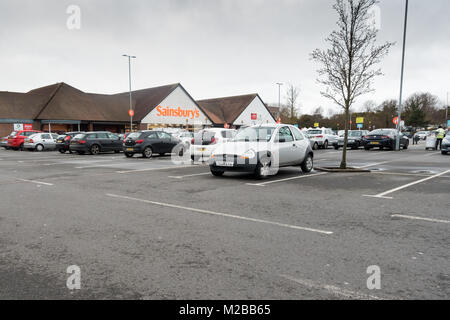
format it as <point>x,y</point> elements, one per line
<point>74,280</point>
<point>74,20</point>
<point>374,280</point>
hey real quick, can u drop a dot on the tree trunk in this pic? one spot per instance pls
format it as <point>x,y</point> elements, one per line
<point>344,152</point>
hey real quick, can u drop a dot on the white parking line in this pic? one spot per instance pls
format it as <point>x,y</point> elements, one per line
<point>287,179</point>
<point>384,194</point>
<point>419,218</point>
<point>154,169</point>
<point>336,291</point>
<point>208,212</point>
<point>190,175</point>
<point>37,182</point>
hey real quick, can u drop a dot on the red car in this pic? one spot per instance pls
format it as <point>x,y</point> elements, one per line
<point>16,138</point>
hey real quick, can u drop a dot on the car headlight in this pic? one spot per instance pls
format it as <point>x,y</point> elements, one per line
<point>250,154</point>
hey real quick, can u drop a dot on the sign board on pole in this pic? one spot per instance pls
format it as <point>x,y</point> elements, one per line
<point>27,126</point>
<point>131,113</point>
<point>18,126</point>
<point>395,120</point>
<point>448,123</point>
<point>360,125</point>
<point>360,120</point>
<point>316,125</point>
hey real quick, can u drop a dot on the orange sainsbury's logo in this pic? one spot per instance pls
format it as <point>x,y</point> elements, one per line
<point>177,112</point>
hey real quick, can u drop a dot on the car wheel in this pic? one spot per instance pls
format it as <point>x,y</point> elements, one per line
<point>148,153</point>
<point>116,151</point>
<point>381,148</point>
<point>315,146</point>
<point>95,149</point>
<point>444,152</point>
<point>405,147</point>
<point>325,145</point>
<point>262,168</point>
<point>62,151</point>
<point>39,147</point>
<point>217,173</point>
<point>367,148</point>
<point>308,164</point>
<point>129,155</point>
<point>21,147</point>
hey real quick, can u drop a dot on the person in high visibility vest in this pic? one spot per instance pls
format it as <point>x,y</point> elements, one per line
<point>440,134</point>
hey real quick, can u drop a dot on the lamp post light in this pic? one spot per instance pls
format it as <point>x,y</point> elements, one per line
<point>399,124</point>
<point>129,76</point>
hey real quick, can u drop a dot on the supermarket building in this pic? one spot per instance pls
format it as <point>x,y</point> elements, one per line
<point>63,108</point>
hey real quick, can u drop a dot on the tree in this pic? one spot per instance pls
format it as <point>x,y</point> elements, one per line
<point>347,67</point>
<point>292,94</point>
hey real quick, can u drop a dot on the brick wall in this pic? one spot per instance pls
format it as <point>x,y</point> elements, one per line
<point>5,129</point>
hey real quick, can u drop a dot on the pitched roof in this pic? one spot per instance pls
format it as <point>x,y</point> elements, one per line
<point>148,99</point>
<point>274,111</point>
<point>15,105</point>
<point>226,109</point>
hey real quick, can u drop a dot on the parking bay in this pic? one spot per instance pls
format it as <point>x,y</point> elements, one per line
<point>175,248</point>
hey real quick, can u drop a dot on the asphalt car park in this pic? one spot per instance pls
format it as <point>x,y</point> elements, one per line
<point>152,229</point>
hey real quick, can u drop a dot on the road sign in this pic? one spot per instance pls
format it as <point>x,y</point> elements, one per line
<point>18,126</point>
<point>360,125</point>
<point>395,120</point>
<point>316,125</point>
<point>448,123</point>
<point>131,113</point>
<point>279,121</point>
<point>360,120</point>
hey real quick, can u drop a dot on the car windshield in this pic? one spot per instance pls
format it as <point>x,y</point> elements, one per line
<point>134,135</point>
<point>13,134</point>
<point>355,134</point>
<point>255,134</point>
<point>314,132</point>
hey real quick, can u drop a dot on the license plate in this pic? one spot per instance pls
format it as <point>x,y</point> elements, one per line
<point>202,149</point>
<point>59,141</point>
<point>375,142</point>
<point>224,163</point>
<point>130,149</point>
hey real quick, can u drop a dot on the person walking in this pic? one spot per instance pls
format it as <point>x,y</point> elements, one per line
<point>416,139</point>
<point>440,134</point>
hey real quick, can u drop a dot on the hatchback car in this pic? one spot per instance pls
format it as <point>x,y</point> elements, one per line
<point>355,138</point>
<point>41,142</point>
<point>96,142</point>
<point>205,141</point>
<point>384,138</point>
<point>262,150</point>
<point>323,137</point>
<point>4,142</point>
<point>17,138</point>
<point>149,143</point>
<point>63,141</point>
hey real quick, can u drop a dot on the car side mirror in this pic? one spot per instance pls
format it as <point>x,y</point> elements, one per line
<point>281,140</point>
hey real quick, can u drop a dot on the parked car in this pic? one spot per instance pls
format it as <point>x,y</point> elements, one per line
<point>63,141</point>
<point>16,138</point>
<point>446,144</point>
<point>384,138</point>
<point>314,145</point>
<point>149,143</point>
<point>96,142</point>
<point>407,134</point>
<point>323,136</point>
<point>262,150</point>
<point>354,139</point>
<point>41,141</point>
<point>4,142</point>
<point>205,141</point>
<point>422,134</point>
<point>186,138</point>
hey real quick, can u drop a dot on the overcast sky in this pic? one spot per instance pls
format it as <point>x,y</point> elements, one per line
<point>214,48</point>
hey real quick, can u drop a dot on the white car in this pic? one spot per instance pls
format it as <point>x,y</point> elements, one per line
<point>323,137</point>
<point>205,141</point>
<point>262,150</point>
<point>41,142</point>
<point>186,138</point>
<point>422,134</point>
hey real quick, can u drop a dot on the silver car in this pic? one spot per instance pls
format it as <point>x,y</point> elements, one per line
<point>4,142</point>
<point>41,142</point>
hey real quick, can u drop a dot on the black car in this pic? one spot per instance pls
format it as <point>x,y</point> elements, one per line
<point>148,143</point>
<point>384,138</point>
<point>354,141</point>
<point>63,141</point>
<point>96,142</point>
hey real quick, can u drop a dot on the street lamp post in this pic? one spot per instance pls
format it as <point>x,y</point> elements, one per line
<point>129,76</point>
<point>399,124</point>
<point>279,84</point>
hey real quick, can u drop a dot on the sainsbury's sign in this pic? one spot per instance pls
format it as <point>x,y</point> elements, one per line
<point>177,112</point>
